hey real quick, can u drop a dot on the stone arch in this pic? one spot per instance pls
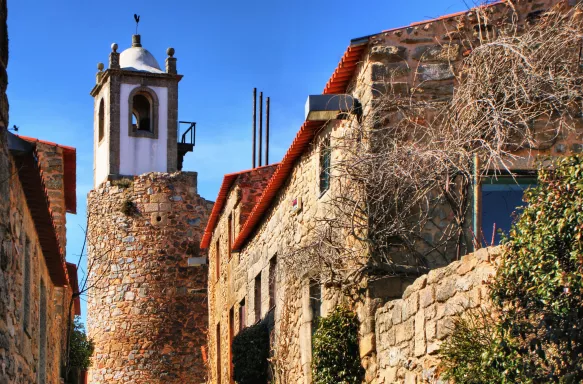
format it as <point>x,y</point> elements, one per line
<point>143,108</point>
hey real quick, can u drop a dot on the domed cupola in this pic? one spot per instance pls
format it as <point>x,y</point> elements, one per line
<point>137,58</point>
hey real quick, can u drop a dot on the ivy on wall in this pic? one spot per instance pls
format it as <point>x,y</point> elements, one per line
<point>250,354</point>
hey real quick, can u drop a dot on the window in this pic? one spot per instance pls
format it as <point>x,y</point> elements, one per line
<point>257,301</point>
<point>230,223</point>
<point>315,303</point>
<point>500,198</point>
<point>218,259</point>
<point>101,121</point>
<point>242,315</point>
<point>141,113</point>
<point>272,281</point>
<point>325,157</point>
<point>218,338</point>
<point>26,301</point>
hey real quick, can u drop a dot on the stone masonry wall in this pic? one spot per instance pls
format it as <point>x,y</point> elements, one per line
<point>21,358</point>
<point>147,311</point>
<point>418,61</point>
<point>409,331</point>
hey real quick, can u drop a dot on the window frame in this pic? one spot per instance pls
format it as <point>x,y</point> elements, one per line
<point>150,94</point>
<point>101,121</point>
<point>324,165</point>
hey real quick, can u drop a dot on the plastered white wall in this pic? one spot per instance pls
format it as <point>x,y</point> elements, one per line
<point>139,154</point>
<point>101,151</point>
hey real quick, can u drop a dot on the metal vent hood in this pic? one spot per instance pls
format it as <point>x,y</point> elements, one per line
<point>329,107</point>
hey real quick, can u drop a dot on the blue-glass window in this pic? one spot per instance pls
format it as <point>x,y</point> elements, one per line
<point>500,198</point>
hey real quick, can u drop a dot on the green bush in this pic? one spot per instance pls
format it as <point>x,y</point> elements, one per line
<point>251,354</point>
<point>81,347</point>
<point>336,357</point>
<point>538,292</point>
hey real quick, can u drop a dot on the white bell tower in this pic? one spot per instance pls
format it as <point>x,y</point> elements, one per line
<point>136,115</point>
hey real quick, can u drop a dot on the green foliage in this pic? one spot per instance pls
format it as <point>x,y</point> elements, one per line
<point>336,357</point>
<point>128,208</point>
<point>251,354</point>
<point>538,293</point>
<point>472,355</point>
<point>81,346</point>
<point>540,283</point>
<point>122,183</point>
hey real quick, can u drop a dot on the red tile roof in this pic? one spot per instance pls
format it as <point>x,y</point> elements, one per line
<point>74,284</point>
<point>70,171</point>
<point>228,180</point>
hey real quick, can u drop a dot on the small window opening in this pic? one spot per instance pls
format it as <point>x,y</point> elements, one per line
<point>501,196</point>
<point>242,315</point>
<point>141,113</point>
<point>272,281</point>
<point>315,303</point>
<point>230,224</point>
<point>325,157</point>
<point>218,259</point>
<point>101,121</point>
<point>257,298</point>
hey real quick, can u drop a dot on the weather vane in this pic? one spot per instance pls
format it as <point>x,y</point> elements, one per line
<point>137,19</point>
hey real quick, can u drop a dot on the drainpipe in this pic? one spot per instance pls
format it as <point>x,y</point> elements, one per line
<point>477,203</point>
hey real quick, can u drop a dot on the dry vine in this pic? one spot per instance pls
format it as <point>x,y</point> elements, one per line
<point>401,193</point>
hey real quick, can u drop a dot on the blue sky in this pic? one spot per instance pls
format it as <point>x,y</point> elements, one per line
<point>224,49</point>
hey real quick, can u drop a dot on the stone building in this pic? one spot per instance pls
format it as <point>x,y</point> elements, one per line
<point>147,302</point>
<point>38,288</point>
<point>247,281</point>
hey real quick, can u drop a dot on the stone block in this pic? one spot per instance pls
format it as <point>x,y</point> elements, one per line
<point>410,378</point>
<point>417,285</point>
<point>430,330</point>
<point>367,345</point>
<point>158,198</point>
<point>410,306</point>
<point>150,207</point>
<point>397,313</point>
<point>426,296</point>
<point>445,290</point>
<point>437,52</point>
<point>445,327</point>
<point>420,334</point>
<point>433,72</point>
<point>388,53</point>
<point>405,331</point>
<point>158,219</point>
<point>165,207</point>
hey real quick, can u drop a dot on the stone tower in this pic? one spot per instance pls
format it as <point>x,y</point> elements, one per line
<point>147,307</point>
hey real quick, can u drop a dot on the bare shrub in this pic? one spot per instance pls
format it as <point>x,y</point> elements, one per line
<point>400,197</point>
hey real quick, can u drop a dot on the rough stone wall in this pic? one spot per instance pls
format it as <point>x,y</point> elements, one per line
<point>409,331</point>
<point>20,344</point>
<point>147,310</point>
<point>420,60</point>
<point>243,196</point>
